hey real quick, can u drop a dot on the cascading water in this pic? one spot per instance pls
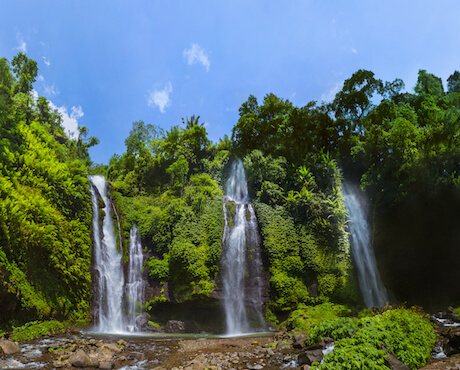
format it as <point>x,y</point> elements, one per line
<point>107,263</point>
<point>370,284</point>
<point>135,285</point>
<point>242,283</point>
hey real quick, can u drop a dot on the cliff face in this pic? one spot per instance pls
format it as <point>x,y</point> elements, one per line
<point>417,248</point>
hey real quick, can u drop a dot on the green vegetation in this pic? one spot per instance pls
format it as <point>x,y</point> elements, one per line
<point>304,318</point>
<point>406,146</point>
<point>45,205</point>
<point>359,344</point>
<point>168,185</point>
<point>35,329</point>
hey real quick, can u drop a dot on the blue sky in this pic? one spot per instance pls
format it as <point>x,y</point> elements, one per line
<point>105,64</point>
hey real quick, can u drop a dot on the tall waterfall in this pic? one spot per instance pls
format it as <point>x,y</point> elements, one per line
<point>108,263</point>
<point>135,285</point>
<point>370,284</point>
<point>241,276</point>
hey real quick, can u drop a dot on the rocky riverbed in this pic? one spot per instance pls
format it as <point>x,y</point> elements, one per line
<point>73,350</point>
<point>77,350</point>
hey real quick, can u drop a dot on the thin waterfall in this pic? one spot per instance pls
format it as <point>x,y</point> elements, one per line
<point>108,262</point>
<point>135,285</point>
<point>371,286</point>
<point>241,279</point>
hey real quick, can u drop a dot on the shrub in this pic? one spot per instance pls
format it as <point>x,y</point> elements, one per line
<point>35,329</point>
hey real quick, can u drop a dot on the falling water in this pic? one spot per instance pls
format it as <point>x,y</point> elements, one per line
<point>241,278</point>
<point>107,263</point>
<point>135,285</point>
<point>371,286</point>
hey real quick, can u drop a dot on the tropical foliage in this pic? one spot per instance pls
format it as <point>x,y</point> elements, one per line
<point>45,209</point>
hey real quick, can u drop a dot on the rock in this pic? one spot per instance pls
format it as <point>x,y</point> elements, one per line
<point>309,356</point>
<point>198,363</point>
<point>106,365</point>
<point>174,326</point>
<point>320,345</point>
<point>109,350</point>
<point>80,359</point>
<point>9,347</point>
<point>123,343</point>
<point>298,340</point>
<point>60,364</point>
<point>255,367</point>
<point>395,364</point>
<point>93,360</point>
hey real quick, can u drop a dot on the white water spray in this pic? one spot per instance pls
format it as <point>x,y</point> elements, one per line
<point>107,262</point>
<point>371,286</point>
<point>135,285</point>
<point>241,292</point>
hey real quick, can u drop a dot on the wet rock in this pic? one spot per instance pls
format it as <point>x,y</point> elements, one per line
<point>174,326</point>
<point>309,356</point>
<point>9,347</point>
<point>80,359</point>
<point>255,367</point>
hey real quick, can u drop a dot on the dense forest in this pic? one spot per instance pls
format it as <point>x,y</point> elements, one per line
<point>401,148</point>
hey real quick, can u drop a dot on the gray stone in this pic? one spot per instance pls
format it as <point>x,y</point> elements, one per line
<point>80,359</point>
<point>9,347</point>
<point>310,356</point>
<point>174,326</point>
<point>395,364</point>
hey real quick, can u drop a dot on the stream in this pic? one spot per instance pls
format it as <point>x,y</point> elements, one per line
<point>155,351</point>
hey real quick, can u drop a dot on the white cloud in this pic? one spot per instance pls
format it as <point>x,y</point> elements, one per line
<point>197,55</point>
<point>47,61</point>
<point>328,97</point>
<point>69,122</point>
<point>353,50</point>
<point>34,95</point>
<point>160,98</point>
<point>22,45</point>
<point>51,90</point>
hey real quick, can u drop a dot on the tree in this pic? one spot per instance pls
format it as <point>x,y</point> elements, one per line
<point>453,82</point>
<point>195,136</point>
<point>428,83</point>
<point>26,71</point>
<point>354,100</point>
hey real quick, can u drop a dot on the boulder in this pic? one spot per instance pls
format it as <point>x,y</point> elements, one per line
<point>80,359</point>
<point>309,356</point>
<point>142,321</point>
<point>174,326</point>
<point>112,347</point>
<point>9,347</point>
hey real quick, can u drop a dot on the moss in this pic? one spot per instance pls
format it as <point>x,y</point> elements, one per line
<point>231,210</point>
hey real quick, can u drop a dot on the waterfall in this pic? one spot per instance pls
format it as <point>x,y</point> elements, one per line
<point>370,284</point>
<point>108,262</point>
<point>135,285</point>
<point>242,283</point>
